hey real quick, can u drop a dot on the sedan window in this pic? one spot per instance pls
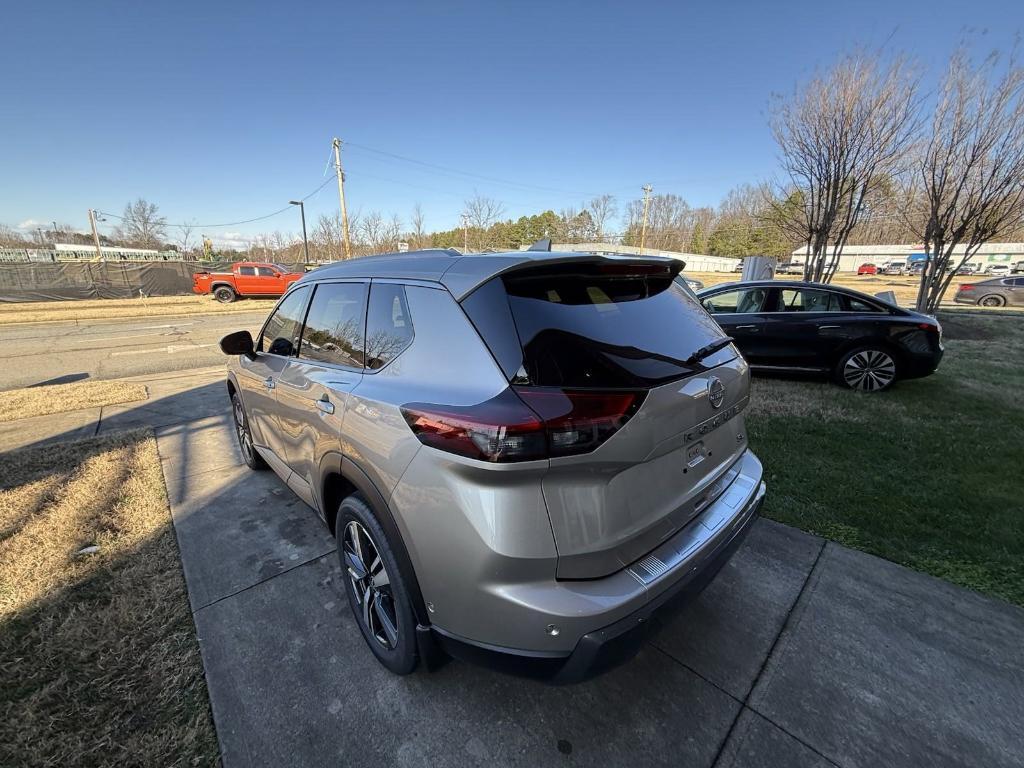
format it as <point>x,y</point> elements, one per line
<point>334,327</point>
<point>809,300</point>
<point>744,300</point>
<point>856,305</point>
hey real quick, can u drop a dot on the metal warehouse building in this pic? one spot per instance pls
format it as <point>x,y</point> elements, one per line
<point>855,255</point>
<point>695,262</point>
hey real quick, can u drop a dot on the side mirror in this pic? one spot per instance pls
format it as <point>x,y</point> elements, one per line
<point>238,343</point>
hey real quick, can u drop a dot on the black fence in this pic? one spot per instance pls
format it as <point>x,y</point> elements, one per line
<point>40,281</point>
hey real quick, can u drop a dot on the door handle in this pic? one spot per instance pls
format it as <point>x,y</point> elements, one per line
<point>747,328</point>
<point>324,405</point>
<point>828,327</point>
<point>269,383</point>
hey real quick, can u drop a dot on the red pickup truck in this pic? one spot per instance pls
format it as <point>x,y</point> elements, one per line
<point>246,278</point>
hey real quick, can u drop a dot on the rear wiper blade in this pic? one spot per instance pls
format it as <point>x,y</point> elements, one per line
<point>708,349</point>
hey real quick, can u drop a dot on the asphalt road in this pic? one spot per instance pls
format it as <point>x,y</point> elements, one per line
<point>53,353</point>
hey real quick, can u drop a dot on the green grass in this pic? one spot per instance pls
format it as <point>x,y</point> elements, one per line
<point>928,474</point>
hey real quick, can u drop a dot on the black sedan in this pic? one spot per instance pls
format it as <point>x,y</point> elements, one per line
<point>862,342</point>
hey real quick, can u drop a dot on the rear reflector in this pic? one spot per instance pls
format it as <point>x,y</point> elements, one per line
<point>524,424</point>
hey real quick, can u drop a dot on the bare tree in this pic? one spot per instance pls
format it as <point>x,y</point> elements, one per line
<point>971,185</point>
<point>142,225</point>
<point>419,232</point>
<point>602,210</point>
<point>842,136</point>
<point>184,239</point>
<point>481,213</point>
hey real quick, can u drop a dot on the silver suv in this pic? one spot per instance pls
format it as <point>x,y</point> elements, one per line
<point>524,457</point>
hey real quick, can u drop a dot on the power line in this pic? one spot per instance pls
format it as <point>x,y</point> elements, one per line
<point>447,169</point>
<point>235,223</point>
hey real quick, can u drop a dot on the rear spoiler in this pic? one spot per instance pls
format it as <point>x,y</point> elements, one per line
<point>470,272</point>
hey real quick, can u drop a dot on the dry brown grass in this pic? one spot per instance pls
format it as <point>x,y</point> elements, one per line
<point>59,398</point>
<point>99,663</point>
<point>99,309</point>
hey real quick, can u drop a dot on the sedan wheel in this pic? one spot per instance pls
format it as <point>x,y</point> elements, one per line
<point>868,370</point>
<point>992,301</point>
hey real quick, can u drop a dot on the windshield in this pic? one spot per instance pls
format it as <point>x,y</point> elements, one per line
<point>590,329</point>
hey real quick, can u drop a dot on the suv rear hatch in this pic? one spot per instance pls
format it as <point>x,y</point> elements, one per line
<point>625,342</point>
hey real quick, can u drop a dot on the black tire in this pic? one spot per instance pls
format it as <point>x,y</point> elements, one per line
<point>868,368</point>
<point>250,455</point>
<point>383,612</point>
<point>992,300</point>
<point>225,294</point>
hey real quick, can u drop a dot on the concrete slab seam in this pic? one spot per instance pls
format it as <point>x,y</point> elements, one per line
<point>221,599</point>
<point>796,609</point>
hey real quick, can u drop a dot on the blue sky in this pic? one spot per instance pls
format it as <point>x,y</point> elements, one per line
<point>220,111</point>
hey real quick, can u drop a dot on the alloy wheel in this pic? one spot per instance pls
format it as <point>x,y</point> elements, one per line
<point>371,584</point>
<point>992,301</point>
<point>242,429</point>
<point>869,370</point>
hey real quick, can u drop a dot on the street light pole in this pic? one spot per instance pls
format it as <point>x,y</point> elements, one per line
<point>302,210</point>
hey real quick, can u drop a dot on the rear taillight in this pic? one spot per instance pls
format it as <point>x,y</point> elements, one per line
<point>966,287</point>
<point>525,423</point>
<point>578,421</point>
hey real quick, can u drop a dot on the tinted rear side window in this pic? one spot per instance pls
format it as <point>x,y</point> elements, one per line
<point>334,325</point>
<point>388,324</point>
<point>590,328</point>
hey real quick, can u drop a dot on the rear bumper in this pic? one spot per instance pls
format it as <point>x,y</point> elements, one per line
<point>667,578</point>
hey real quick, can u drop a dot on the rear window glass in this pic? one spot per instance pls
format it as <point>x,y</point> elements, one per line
<point>587,328</point>
<point>388,324</point>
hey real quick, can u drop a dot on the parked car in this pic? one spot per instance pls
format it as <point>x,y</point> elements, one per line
<point>997,270</point>
<point>246,278</point>
<point>695,285</point>
<point>862,342</point>
<point>998,292</point>
<point>739,266</point>
<point>790,268</point>
<point>969,269</point>
<point>524,457</point>
<point>1018,268</point>
<point>915,268</point>
<point>894,268</point>
<point>867,269</point>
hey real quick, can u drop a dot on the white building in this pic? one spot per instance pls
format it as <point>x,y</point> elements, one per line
<point>695,262</point>
<point>855,255</point>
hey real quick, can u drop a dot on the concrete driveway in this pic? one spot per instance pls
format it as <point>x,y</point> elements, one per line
<point>801,653</point>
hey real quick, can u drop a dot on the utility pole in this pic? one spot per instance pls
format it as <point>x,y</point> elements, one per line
<point>643,229</point>
<point>302,209</point>
<point>465,233</point>
<point>95,234</point>
<point>341,195</point>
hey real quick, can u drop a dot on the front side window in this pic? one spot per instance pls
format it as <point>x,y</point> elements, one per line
<point>334,326</point>
<point>743,300</point>
<point>266,272</point>
<point>247,271</point>
<point>281,333</point>
<point>388,324</point>
<point>808,300</point>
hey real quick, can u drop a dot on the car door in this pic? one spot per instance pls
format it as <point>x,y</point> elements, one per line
<point>1013,289</point>
<point>739,312</point>
<point>313,392</point>
<point>806,328</point>
<point>258,377</point>
<point>271,281</point>
<point>246,281</point>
